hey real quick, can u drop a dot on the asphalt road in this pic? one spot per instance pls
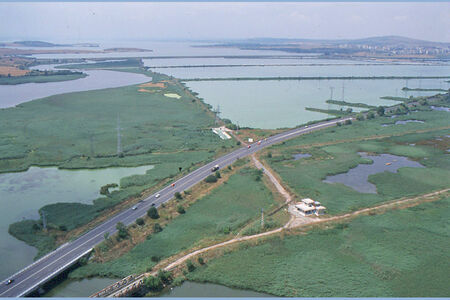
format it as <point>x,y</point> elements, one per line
<point>44,269</point>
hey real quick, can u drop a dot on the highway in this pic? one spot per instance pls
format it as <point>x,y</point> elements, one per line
<point>44,269</point>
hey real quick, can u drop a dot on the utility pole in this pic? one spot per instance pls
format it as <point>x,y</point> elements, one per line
<point>217,112</point>
<point>262,218</point>
<point>119,146</point>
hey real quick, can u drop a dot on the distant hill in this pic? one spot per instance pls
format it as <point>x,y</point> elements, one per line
<point>44,44</point>
<point>372,41</point>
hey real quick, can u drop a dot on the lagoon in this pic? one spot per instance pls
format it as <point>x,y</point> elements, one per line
<point>22,194</point>
<point>275,104</point>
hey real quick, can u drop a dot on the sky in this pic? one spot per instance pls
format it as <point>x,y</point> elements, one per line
<point>100,21</point>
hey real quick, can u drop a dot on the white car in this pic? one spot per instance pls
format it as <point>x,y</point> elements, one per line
<point>134,207</point>
<point>157,195</point>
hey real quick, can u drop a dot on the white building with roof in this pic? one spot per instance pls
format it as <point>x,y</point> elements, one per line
<point>308,207</point>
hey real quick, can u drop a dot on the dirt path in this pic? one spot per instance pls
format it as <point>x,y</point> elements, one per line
<point>400,203</point>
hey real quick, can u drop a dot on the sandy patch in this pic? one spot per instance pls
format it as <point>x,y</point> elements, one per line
<point>146,91</point>
<point>5,70</point>
<point>176,96</point>
<point>151,84</point>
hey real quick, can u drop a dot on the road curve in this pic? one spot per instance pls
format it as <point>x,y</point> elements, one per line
<point>42,270</point>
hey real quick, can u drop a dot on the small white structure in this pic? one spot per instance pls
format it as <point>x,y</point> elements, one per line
<point>320,210</point>
<point>308,207</point>
<point>304,209</point>
<point>250,140</point>
<point>309,202</point>
<point>221,133</point>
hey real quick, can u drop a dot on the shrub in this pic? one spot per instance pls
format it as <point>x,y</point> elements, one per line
<point>370,115</point>
<point>218,175</point>
<point>157,228</point>
<point>153,213</point>
<point>178,196</point>
<point>380,110</point>
<point>190,265</point>
<point>153,283</point>
<point>348,122</point>
<point>140,221</point>
<point>211,179</point>
<point>201,261</point>
<point>238,143</point>
<point>360,117</point>
<point>269,155</point>
<point>180,209</point>
<point>165,276</point>
<point>122,231</point>
<point>62,227</point>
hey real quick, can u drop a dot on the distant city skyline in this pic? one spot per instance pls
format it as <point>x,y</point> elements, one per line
<point>101,21</point>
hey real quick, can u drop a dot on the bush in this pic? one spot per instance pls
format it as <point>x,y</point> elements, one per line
<point>178,196</point>
<point>360,117</point>
<point>348,122</point>
<point>211,179</point>
<point>165,276</point>
<point>269,155</point>
<point>238,143</point>
<point>370,115</point>
<point>218,175</point>
<point>140,221</point>
<point>180,209</point>
<point>122,231</point>
<point>157,228</point>
<point>190,265</point>
<point>153,283</point>
<point>201,261</point>
<point>380,110</point>
<point>153,213</point>
<point>62,227</point>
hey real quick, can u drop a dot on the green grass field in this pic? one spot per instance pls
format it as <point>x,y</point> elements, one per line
<point>402,253</point>
<point>305,176</point>
<point>78,130</point>
<point>225,210</point>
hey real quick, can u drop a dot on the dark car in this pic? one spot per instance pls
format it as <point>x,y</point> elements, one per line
<point>9,281</point>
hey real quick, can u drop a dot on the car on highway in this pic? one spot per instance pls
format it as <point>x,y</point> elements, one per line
<point>173,184</point>
<point>157,195</point>
<point>134,207</point>
<point>249,146</point>
<point>259,142</point>
<point>9,281</point>
<point>215,168</point>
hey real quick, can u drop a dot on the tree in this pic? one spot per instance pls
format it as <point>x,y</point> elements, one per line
<point>153,283</point>
<point>380,110</point>
<point>165,276</point>
<point>140,221</point>
<point>178,196</point>
<point>180,209</point>
<point>157,228</point>
<point>360,117</point>
<point>153,213</point>
<point>349,110</point>
<point>106,236</point>
<point>269,155</point>
<point>348,122</point>
<point>211,179</point>
<point>122,231</point>
<point>370,115</point>
<point>201,261</point>
<point>218,175</point>
<point>190,265</point>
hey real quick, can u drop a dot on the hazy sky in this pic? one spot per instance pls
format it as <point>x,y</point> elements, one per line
<point>83,22</point>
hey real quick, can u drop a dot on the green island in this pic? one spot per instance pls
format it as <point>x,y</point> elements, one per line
<point>352,104</point>
<point>115,63</point>
<point>41,77</point>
